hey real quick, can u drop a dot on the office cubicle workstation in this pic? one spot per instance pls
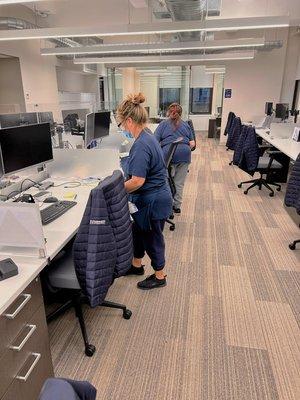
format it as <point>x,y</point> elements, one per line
<point>219,319</point>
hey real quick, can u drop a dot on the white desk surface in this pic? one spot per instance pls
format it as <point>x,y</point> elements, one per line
<point>287,145</point>
<point>58,233</point>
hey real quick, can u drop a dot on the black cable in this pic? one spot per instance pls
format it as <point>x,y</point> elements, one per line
<point>21,188</point>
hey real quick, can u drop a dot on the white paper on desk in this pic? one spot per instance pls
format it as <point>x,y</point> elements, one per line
<point>296,134</point>
<point>21,226</point>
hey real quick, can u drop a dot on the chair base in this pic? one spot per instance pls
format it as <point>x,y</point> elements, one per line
<point>261,182</point>
<point>76,303</point>
<point>292,245</point>
<point>171,223</point>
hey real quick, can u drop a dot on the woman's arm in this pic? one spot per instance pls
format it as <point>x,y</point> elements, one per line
<point>134,184</point>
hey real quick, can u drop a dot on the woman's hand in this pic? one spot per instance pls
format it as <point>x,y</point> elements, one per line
<point>192,144</point>
<point>134,184</point>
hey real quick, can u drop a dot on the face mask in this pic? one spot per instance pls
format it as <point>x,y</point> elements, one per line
<point>127,135</point>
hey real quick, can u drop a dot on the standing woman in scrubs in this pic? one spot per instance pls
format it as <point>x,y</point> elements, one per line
<point>148,189</point>
<point>168,131</point>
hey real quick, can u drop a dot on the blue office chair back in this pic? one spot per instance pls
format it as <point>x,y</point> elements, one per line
<point>230,119</point>
<point>67,389</point>
<point>234,133</point>
<point>248,152</point>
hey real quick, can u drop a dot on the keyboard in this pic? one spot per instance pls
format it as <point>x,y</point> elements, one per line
<point>54,211</point>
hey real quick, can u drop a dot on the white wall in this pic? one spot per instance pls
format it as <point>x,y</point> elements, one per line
<point>38,75</point>
<point>253,82</point>
<point>11,87</point>
<point>290,69</point>
<point>150,89</point>
<point>298,69</point>
<point>75,82</point>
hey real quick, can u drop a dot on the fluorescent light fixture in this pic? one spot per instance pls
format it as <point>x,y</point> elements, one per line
<point>246,55</point>
<point>4,2</point>
<point>209,24</point>
<point>136,48</point>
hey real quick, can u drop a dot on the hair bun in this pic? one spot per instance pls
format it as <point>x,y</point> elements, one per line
<point>136,98</point>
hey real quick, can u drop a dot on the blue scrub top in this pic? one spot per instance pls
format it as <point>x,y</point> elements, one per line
<point>166,133</point>
<point>146,161</point>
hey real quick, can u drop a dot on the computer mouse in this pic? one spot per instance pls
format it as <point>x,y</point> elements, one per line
<point>51,199</point>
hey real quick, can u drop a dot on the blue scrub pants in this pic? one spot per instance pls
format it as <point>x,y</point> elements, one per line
<point>152,243</point>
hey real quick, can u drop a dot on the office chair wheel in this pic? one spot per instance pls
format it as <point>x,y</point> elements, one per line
<point>172,228</point>
<point>171,216</point>
<point>90,350</point>
<point>271,194</point>
<point>278,189</point>
<point>292,246</point>
<point>246,192</point>
<point>127,314</point>
<point>239,185</point>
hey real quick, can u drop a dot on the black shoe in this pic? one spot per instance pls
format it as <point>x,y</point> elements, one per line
<point>176,210</point>
<point>151,283</point>
<point>136,270</point>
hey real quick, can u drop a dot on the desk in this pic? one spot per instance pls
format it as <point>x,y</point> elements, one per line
<point>23,292</point>
<point>287,145</point>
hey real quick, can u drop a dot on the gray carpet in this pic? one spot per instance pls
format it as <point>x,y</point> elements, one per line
<point>226,327</point>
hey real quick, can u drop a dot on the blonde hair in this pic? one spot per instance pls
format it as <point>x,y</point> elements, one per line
<point>131,107</point>
<point>175,110</point>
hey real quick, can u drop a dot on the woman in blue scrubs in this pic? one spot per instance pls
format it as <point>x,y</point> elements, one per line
<point>168,131</point>
<point>148,189</point>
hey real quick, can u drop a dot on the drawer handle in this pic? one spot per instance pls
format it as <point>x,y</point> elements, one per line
<point>28,373</point>
<point>27,297</point>
<point>21,345</point>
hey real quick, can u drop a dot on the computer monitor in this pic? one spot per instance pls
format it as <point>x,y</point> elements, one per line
<point>102,121</point>
<point>96,126</point>
<point>24,146</point>
<point>89,128</point>
<point>282,110</point>
<point>268,108</point>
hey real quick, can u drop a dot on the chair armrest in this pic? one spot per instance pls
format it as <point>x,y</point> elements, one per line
<point>272,153</point>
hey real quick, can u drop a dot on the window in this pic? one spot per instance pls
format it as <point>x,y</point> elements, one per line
<point>168,96</point>
<point>200,100</point>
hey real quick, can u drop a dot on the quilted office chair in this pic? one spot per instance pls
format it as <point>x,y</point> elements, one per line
<point>112,235</point>
<point>67,389</point>
<point>168,160</point>
<point>190,122</point>
<point>292,194</point>
<point>233,134</point>
<point>247,156</point>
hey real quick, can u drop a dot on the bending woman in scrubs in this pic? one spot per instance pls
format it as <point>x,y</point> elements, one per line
<point>168,131</point>
<point>148,189</point>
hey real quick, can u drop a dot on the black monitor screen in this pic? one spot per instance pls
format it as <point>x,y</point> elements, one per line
<point>102,121</point>
<point>25,146</point>
<point>282,110</point>
<point>268,108</point>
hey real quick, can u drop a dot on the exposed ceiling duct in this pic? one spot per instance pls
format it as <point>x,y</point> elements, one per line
<point>188,10</point>
<point>7,23</point>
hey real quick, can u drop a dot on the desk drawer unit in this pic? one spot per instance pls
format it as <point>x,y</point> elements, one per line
<point>25,360</point>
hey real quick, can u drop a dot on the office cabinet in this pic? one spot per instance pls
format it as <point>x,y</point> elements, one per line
<point>25,359</point>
